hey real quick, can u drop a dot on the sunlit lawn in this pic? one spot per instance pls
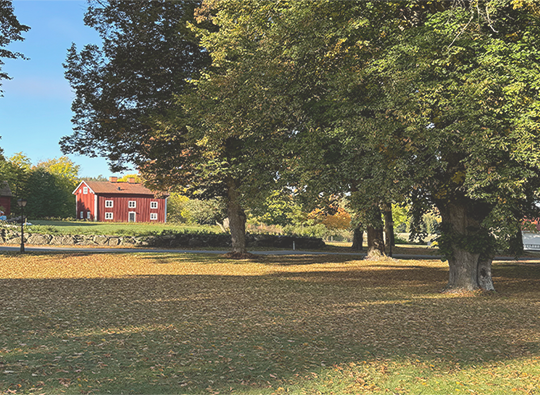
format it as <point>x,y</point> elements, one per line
<point>113,228</point>
<point>199,324</point>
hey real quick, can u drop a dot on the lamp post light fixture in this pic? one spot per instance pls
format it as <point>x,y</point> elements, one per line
<point>22,203</point>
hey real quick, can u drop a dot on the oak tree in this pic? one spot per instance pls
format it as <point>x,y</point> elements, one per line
<point>435,101</point>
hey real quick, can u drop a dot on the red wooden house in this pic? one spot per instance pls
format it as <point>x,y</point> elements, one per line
<point>5,198</point>
<point>119,202</point>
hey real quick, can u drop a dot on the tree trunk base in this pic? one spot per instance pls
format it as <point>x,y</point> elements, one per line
<point>375,255</point>
<point>240,255</point>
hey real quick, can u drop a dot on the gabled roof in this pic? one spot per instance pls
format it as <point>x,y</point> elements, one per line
<point>123,188</point>
<point>4,189</point>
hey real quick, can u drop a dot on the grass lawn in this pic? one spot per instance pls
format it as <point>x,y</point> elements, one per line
<point>113,228</point>
<point>157,323</point>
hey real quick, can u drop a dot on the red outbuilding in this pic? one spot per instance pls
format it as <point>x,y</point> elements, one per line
<point>119,202</point>
<point>5,198</point>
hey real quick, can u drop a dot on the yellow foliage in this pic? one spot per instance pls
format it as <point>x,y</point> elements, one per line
<point>530,5</point>
<point>340,220</point>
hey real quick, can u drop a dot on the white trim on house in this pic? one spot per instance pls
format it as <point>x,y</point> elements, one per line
<point>134,216</point>
<point>153,217</point>
<point>166,200</point>
<point>109,214</point>
<point>78,186</point>
<point>95,207</point>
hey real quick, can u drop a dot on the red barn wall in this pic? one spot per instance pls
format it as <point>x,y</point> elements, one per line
<point>121,210</point>
<point>85,203</point>
<point>5,201</point>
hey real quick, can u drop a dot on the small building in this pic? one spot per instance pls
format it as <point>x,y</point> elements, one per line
<point>5,198</point>
<point>531,237</point>
<point>119,202</point>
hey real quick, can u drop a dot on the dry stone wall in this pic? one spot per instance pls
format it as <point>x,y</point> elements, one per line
<point>8,236</point>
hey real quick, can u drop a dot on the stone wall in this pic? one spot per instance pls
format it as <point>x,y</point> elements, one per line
<point>9,236</point>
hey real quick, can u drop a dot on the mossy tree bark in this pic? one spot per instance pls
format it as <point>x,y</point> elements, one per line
<point>465,245</point>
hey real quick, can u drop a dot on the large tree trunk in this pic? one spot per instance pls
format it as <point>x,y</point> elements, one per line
<point>485,281</point>
<point>388,227</point>
<point>375,241</point>
<point>237,218</point>
<point>462,225</point>
<point>358,239</point>
<point>375,233</point>
<point>463,274</point>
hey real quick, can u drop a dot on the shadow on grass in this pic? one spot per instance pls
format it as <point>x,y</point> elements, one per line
<point>197,334</point>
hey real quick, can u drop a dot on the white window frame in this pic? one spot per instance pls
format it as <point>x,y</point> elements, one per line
<point>82,214</point>
<point>85,190</point>
<point>88,215</point>
<point>109,215</point>
<point>153,216</point>
<point>109,203</point>
<point>134,216</point>
<point>154,205</point>
<point>132,204</point>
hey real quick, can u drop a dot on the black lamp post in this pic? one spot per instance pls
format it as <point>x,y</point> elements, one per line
<point>22,203</point>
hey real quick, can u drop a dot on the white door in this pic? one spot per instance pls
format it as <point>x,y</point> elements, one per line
<point>131,217</point>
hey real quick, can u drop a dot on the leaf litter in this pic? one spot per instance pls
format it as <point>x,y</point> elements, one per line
<point>191,324</point>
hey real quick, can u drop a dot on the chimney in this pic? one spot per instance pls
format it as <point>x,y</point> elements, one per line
<point>131,180</point>
<point>113,179</point>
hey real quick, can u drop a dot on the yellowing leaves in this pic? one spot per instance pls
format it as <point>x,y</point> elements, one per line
<point>180,323</point>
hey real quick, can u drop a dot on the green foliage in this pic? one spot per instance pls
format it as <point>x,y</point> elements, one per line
<point>47,187</point>
<point>206,212</point>
<point>147,56</point>
<point>16,171</point>
<point>436,102</point>
<point>278,209</point>
<point>127,177</point>
<point>47,195</point>
<point>181,209</point>
<point>176,208</point>
<point>476,241</point>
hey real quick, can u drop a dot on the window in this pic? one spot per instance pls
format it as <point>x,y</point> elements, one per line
<point>108,215</point>
<point>153,216</point>
<point>82,214</point>
<point>85,190</point>
<point>153,205</point>
<point>108,203</point>
<point>88,215</point>
<point>132,204</point>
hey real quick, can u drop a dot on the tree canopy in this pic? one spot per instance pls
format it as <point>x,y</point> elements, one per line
<point>432,103</point>
<point>435,102</point>
<point>147,55</point>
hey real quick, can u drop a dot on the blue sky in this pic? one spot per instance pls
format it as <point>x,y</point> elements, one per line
<point>35,111</point>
